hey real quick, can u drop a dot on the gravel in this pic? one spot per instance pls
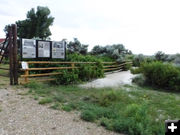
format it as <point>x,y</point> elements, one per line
<point>22,115</point>
<point>111,80</point>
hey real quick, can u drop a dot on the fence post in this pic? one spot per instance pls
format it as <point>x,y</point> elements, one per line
<point>72,65</point>
<point>10,54</point>
<point>26,77</point>
<point>15,61</point>
<point>26,74</point>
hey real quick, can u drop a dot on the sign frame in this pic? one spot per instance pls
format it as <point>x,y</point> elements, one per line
<point>21,48</point>
<point>37,53</point>
<point>37,49</point>
<point>64,45</point>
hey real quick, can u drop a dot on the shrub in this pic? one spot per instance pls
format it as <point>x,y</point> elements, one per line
<point>88,115</point>
<point>84,72</point>
<point>138,59</point>
<point>135,122</point>
<point>46,100</point>
<point>127,67</point>
<point>107,98</point>
<point>161,75</point>
<point>135,70</point>
<point>88,72</point>
<point>67,77</point>
<point>160,56</point>
<point>140,80</point>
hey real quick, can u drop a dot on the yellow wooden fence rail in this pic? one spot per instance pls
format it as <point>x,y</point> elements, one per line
<point>108,66</point>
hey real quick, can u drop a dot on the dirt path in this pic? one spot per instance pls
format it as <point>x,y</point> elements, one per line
<point>22,115</point>
<point>111,80</point>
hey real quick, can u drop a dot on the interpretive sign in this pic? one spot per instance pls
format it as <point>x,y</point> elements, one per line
<point>36,49</point>
<point>28,48</point>
<point>58,49</point>
<point>44,49</point>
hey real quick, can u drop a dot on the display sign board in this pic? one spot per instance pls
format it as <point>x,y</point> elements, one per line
<point>58,49</point>
<point>28,48</point>
<point>31,48</point>
<point>44,49</point>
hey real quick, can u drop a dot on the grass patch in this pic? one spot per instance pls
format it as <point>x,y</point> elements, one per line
<point>55,106</point>
<point>46,100</point>
<point>132,110</point>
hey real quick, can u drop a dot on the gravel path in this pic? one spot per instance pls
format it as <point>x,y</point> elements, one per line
<point>22,115</point>
<point>111,80</point>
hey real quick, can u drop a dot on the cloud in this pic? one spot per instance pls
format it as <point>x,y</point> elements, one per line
<point>143,26</point>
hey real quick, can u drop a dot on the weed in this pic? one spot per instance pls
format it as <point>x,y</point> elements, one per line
<point>88,115</point>
<point>55,106</point>
<point>114,108</point>
<point>59,98</point>
<point>46,100</point>
<point>36,97</point>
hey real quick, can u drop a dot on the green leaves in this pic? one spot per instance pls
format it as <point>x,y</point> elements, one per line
<point>36,25</point>
<point>161,75</point>
<point>77,47</point>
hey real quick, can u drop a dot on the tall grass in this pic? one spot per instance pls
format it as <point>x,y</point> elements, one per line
<point>131,109</point>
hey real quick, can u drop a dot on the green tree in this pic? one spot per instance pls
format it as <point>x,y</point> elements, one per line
<point>160,56</point>
<point>36,25</point>
<point>76,47</point>
<point>115,51</point>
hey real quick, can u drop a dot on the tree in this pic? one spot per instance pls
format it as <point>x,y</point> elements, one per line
<point>36,25</point>
<point>98,50</point>
<point>76,47</point>
<point>160,56</point>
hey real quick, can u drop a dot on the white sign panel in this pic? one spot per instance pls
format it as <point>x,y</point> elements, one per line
<point>43,49</point>
<point>58,49</point>
<point>24,65</point>
<point>28,48</point>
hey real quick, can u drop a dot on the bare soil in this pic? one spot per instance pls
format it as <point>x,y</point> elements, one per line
<point>22,115</point>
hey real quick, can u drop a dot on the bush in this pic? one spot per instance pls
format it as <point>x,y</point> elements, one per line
<point>88,72</point>
<point>139,59</point>
<point>88,115</point>
<point>67,77</point>
<point>46,100</point>
<point>135,70</point>
<point>161,75</point>
<point>85,72</point>
<point>108,98</point>
<point>140,80</point>
<point>135,122</point>
<point>127,67</point>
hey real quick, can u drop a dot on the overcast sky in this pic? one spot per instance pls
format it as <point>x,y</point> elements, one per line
<point>143,26</point>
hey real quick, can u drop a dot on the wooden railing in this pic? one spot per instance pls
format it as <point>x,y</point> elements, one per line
<point>108,66</point>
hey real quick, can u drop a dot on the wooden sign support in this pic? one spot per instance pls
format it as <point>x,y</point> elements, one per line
<point>13,61</point>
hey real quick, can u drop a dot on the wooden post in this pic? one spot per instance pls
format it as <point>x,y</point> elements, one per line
<point>26,74</point>
<point>72,65</point>
<point>15,61</point>
<point>26,78</point>
<point>10,54</point>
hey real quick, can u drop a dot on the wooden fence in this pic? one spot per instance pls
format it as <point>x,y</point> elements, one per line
<point>24,78</point>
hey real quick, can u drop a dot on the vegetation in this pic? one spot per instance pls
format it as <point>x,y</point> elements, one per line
<point>160,56</point>
<point>130,109</point>
<point>116,52</point>
<point>76,47</point>
<point>36,25</point>
<point>140,58</point>
<point>161,75</point>
<point>84,72</point>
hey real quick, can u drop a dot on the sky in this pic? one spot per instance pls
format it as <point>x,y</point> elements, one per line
<point>142,26</point>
